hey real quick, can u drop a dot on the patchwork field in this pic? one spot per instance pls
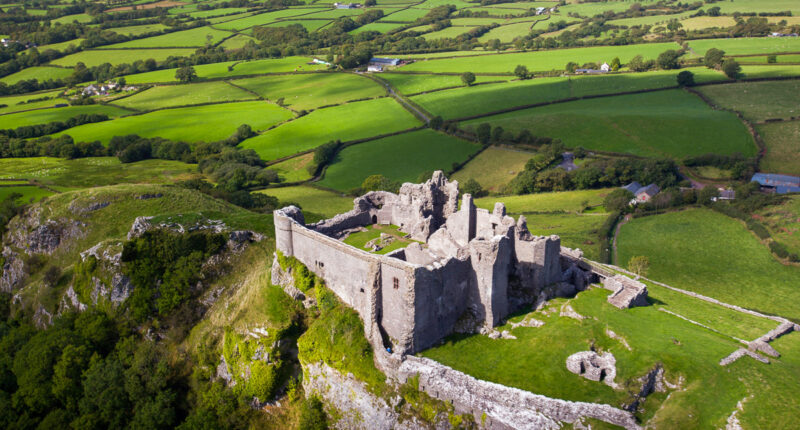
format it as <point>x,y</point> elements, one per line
<point>236,42</point>
<point>136,30</point>
<point>310,91</point>
<point>742,46</point>
<point>770,71</point>
<point>783,147</point>
<point>509,32</point>
<point>191,124</point>
<point>493,168</point>
<point>238,68</point>
<point>407,83</point>
<point>38,73</point>
<point>261,19</point>
<point>195,37</point>
<point>400,158</point>
<point>294,169</point>
<point>97,57</point>
<point>565,201</point>
<point>665,123</point>
<point>20,102</point>
<point>184,95</point>
<point>709,253</point>
<point>346,122</point>
<point>540,60</point>
<point>322,202</point>
<point>783,222</point>
<point>43,116</point>
<point>757,101</point>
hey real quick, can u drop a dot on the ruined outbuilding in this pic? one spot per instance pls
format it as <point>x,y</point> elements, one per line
<point>471,267</point>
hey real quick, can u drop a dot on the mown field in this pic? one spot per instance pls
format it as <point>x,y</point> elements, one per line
<point>221,70</point>
<point>782,154</point>
<point>351,121</point>
<point>184,95</point>
<point>310,91</point>
<point>742,46</point>
<point>540,60</point>
<point>493,168</point>
<point>406,83</point>
<point>468,101</point>
<point>195,37</point>
<point>685,350</point>
<point>310,199</point>
<point>783,222</point>
<point>43,116</point>
<point>191,124</point>
<point>401,158</point>
<point>96,57</point>
<point>709,253</point>
<point>757,101</point>
<point>665,123</point>
<point>38,73</point>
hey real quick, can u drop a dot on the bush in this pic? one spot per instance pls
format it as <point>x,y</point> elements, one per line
<point>471,186</point>
<point>758,229</point>
<point>686,79</point>
<point>779,249</point>
<point>51,276</point>
<point>713,58</point>
<point>618,200</point>
<point>312,415</point>
<point>731,68</point>
<point>468,78</point>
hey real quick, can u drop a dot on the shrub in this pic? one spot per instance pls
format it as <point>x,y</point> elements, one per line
<point>51,276</point>
<point>731,68</point>
<point>758,229</point>
<point>713,58</point>
<point>468,78</point>
<point>312,415</point>
<point>639,265</point>
<point>779,249</point>
<point>685,78</point>
<point>471,186</point>
<point>618,200</point>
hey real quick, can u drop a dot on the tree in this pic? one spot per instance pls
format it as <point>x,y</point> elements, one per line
<point>483,133</point>
<point>668,60</point>
<point>186,74</point>
<point>713,58</point>
<point>639,265</point>
<point>772,59</point>
<point>369,3</point>
<point>685,79</point>
<point>571,66</point>
<point>473,188</point>
<point>436,122</point>
<point>618,200</point>
<point>312,415</point>
<point>714,11</point>
<point>731,68</point>
<point>497,134</point>
<point>468,78</point>
<point>706,194</point>
<point>51,276</point>
<point>637,64</point>
<point>615,64</point>
<point>522,72</point>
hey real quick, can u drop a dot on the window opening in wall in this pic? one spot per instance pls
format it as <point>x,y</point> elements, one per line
<point>362,290</point>
<point>395,283</point>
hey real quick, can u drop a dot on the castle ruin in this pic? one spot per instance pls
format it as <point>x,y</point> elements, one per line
<point>470,268</point>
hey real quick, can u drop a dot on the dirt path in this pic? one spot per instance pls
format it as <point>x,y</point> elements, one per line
<point>624,221</point>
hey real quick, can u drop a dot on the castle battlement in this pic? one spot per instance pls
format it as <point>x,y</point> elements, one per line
<point>469,269</point>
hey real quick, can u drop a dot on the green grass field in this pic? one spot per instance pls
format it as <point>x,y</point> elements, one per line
<point>184,95</point>
<point>236,42</point>
<point>294,169</point>
<point>757,101</point>
<point>81,17</point>
<point>310,24</point>
<point>756,6</point>
<point>380,27</point>
<point>191,124</point>
<point>451,32</point>
<point>539,61</point>
<point>565,201</point>
<point>346,122</point>
<point>322,202</point>
<point>701,22</point>
<point>262,19</point>
<point>576,231</point>
<point>400,158</point>
<point>30,193</point>
<point>509,32</point>
<point>362,238</point>
<point>195,37</point>
<point>783,222</point>
<point>407,83</point>
<point>39,73</point>
<point>95,171</point>
<point>468,101</point>
<point>714,255</point>
<point>97,57</point>
<point>783,154</point>
<point>135,30</point>
<point>217,12</point>
<point>43,116</point>
<point>750,45</point>
<point>60,46</point>
<point>310,91</point>
<point>494,168</point>
<point>763,59</point>
<point>240,68</point>
<point>770,71</point>
<point>19,103</point>
<point>665,123</point>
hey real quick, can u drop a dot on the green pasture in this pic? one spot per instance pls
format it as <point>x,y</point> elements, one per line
<point>451,32</point>
<point>29,193</point>
<point>310,91</point>
<point>43,116</point>
<point>757,101</point>
<point>563,201</point>
<point>649,20</point>
<point>309,24</point>
<point>763,59</point>
<point>711,254</point>
<point>294,169</point>
<point>310,199</point>
<point>61,46</point>
<point>40,73</point>
<point>401,158</point>
<point>217,12</point>
<point>405,15</point>
<point>69,19</point>
<point>499,12</point>
<point>446,54</point>
<point>196,37</point>
<point>96,57</point>
<point>346,122</point>
<point>184,95</point>
<point>227,18</point>
<point>94,171</point>
<point>708,393</point>
<point>747,6</point>
<point>380,27</point>
<point>783,150</point>
<point>136,30</point>
<point>494,167</point>
<point>669,123</point>
<point>334,13</point>
<point>770,71</point>
<point>430,4</point>
<point>747,45</point>
<point>539,60</point>
<point>262,19</point>
<point>575,230</point>
<point>468,101</point>
<point>236,42</point>
<point>239,68</point>
<point>590,9</point>
<point>415,83</point>
<point>783,222</point>
<point>19,103</point>
<point>190,124</point>
<point>509,32</point>
<point>701,22</point>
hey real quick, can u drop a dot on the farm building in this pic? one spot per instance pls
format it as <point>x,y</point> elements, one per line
<point>605,68</point>
<point>346,5</point>
<point>642,194</point>
<point>374,68</point>
<point>384,61</point>
<point>775,183</point>
<point>633,187</point>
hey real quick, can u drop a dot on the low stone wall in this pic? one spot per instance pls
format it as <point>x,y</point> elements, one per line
<point>504,407</point>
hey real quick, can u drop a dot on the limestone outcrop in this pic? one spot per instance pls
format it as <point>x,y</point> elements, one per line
<point>594,366</point>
